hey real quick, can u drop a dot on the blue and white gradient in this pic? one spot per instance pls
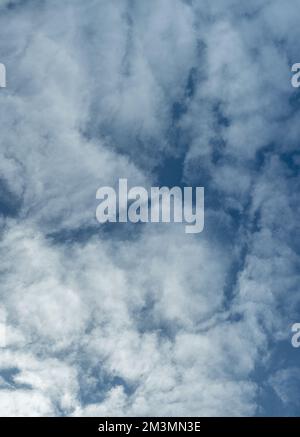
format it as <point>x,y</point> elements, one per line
<point>127,319</point>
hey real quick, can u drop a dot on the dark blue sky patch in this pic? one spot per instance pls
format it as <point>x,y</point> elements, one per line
<point>8,375</point>
<point>10,205</point>
<point>96,384</point>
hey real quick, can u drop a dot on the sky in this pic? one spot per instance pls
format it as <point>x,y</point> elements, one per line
<point>145,320</point>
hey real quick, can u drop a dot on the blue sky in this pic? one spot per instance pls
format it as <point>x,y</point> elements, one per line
<point>147,320</point>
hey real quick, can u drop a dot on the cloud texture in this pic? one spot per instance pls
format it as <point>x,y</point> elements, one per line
<point>148,320</point>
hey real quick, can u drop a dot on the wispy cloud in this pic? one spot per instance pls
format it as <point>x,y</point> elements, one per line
<point>155,322</point>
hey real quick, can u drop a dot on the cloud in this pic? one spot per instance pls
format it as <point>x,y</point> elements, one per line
<point>109,321</point>
<point>285,382</point>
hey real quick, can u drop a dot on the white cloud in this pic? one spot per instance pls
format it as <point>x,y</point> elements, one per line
<point>162,323</point>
